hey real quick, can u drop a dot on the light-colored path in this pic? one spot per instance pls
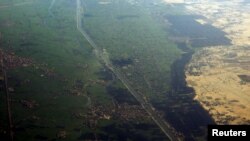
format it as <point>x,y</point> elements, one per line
<point>104,57</point>
<point>50,7</point>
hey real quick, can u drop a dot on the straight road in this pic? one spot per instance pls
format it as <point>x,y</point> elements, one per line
<point>104,57</point>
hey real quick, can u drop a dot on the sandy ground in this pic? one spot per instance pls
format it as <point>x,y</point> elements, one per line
<point>214,75</point>
<point>214,72</point>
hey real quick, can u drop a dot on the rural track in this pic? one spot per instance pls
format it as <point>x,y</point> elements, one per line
<point>50,7</point>
<point>8,99</point>
<point>104,57</point>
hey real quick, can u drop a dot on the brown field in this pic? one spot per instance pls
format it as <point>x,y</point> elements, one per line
<point>215,73</point>
<point>220,76</point>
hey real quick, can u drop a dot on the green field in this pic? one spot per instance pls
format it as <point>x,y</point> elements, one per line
<point>66,81</point>
<point>128,31</point>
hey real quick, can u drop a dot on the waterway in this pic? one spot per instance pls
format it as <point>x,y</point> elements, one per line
<point>184,113</point>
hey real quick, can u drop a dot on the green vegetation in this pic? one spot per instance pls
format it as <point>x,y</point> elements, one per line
<point>46,98</point>
<point>54,45</point>
<point>127,30</point>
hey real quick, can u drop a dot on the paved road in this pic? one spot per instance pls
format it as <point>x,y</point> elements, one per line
<point>104,57</point>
